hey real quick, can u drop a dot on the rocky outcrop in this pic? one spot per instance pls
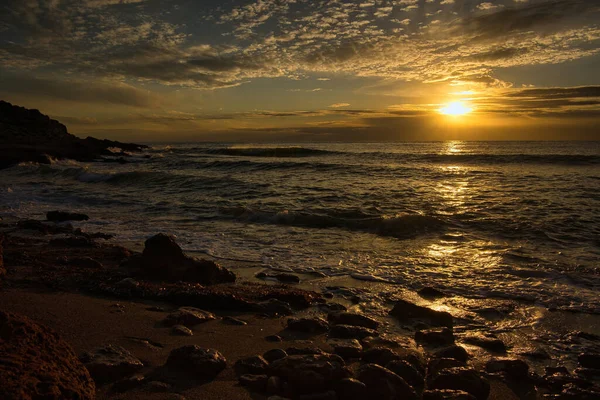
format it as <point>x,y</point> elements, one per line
<point>30,136</point>
<point>196,361</point>
<point>164,260</point>
<point>36,364</point>
<point>110,363</point>
<point>405,311</point>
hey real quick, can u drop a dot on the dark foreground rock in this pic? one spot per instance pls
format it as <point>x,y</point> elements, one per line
<point>110,363</point>
<point>188,316</point>
<point>384,384</point>
<point>62,216</point>
<point>464,379</point>
<point>164,260</point>
<point>2,269</point>
<point>196,361</point>
<point>36,364</point>
<point>353,319</point>
<point>405,311</point>
<point>30,136</point>
<point>308,325</point>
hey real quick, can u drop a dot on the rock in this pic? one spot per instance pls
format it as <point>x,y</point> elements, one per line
<point>129,283</point>
<point>309,373</point>
<point>157,387</point>
<point>435,337</point>
<point>234,321</point>
<point>35,363</point>
<point>129,383</point>
<point>274,385</point>
<point>456,352</point>
<point>274,355</point>
<point>163,260</point>
<point>110,363</point>
<point>86,262</point>
<point>45,228</point>
<point>351,389</point>
<point>405,311</point>
<point>346,348</point>
<point>556,370</point>
<point>436,365</point>
<point>329,395</point>
<point>429,292</point>
<point>384,384</point>
<point>72,241</point>
<point>287,278</point>
<point>489,343</point>
<point>273,338</point>
<point>350,332</point>
<point>587,373</point>
<point>408,372</point>
<point>517,369</point>
<point>196,361</point>
<point>308,325</point>
<point>465,379</point>
<point>62,216</point>
<point>332,307</point>
<point>353,319</point>
<point>181,330</point>
<point>571,392</point>
<point>297,351</point>
<point>274,307</point>
<point>255,365</point>
<point>589,360</point>
<point>257,383</point>
<point>2,269</point>
<point>151,308</point>
<point>188,316</point>
<point>380,356</point>
<point>446,394</point>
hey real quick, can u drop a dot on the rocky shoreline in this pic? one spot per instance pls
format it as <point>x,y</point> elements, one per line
<point>298,344</point>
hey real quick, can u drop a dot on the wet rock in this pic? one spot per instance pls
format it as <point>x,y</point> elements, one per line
<point>346,348</point>
<point>549,370</point>
<point>281,277</point>
<point>351,389</point>
<point>429,292</point>
<point>163,260</point>
<point>405,311</point>
<point>352,319</point>
<point>309,373</point>
<point>274,355</point>
<point>234,321</point>
<point>157,387</point>
<point>296,351</point>
<point>571,392</point>
<point>435,337</point>
<point>45,228</point>
<point>273,338</point>
<point>464,379</point>
<point>110,363</point>
<point>35,363</point>
<point>274,307</point>
<point>446,394</point>
<point>456,352</point>
<point>436,365</point>
<point>489,343</point>
<point>72,241</point>
<point>332,307</point>
<point>188,316</point>
<point>587,373</point>
<point>308,325</point>
<point>329,395</point>
<point>196,361</point>
<point>181,330</point>
<point>537,353</point>
<point>129,383</point>
<point>274,385</point>
<point>128,283</point>
<point>380,356</point>
<point>257,383</point>
<point>517,369</point>
<point>255,365</point>
<point>2,269</point>
<point>86,262</point>
<point>384,384</point>
<point>589,360</point>
<point>408,372</point>
<point>62,216</point>
<point>350,332</point>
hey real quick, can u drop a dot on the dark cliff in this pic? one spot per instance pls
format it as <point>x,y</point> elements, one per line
<point>29,135</point>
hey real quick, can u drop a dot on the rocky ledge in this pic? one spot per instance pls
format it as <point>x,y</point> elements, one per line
<point>30,136</point>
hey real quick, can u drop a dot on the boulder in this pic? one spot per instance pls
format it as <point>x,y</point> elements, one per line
<point>352,319</point>
<point>346,348</point>
<point>35,363</point>
<point>197,361</point>
<point>517,369</point>
<point>234,321</point>
<point>446,394</point>
<point>72,241</point>
<point>464,379</point>
<point>408,372</point>
<point>308,325</point>
<point>257,383</point>
<point>436,365</point>
<point>309,373</point>
<point>351,332</point>
<point>301,351</point>
<point>589,360</point>
<point>489,343</point>
<point>429,292</point>
<point>351,389</point>
<point>456,352</point>
<point>62,216</point>
<point>255,365</point>
<point>181,330</point>
<point>384,384</point>
<point>405,311</point>
<point>274,355</point>
<point>163,260</point>
<point>110,363</point>
<point>188,316</point>
<point>329,395</point>
<point>435,337</point>
<point>274,307</point>
<point>380,356</point>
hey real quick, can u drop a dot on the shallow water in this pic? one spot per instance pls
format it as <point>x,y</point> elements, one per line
<point>500,220</point>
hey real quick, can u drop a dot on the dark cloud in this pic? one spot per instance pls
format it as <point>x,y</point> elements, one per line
<point>559,93</point>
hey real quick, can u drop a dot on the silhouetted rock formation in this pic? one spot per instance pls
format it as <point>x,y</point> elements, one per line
<point>36,364</point>
<point>30,136</point>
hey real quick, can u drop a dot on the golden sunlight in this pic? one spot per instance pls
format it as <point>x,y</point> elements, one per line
<point>455,109</point>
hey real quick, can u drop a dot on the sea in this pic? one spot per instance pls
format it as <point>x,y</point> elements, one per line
<point>516,221</point>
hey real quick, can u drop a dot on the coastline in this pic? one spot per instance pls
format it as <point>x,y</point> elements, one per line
<point>81,302</point>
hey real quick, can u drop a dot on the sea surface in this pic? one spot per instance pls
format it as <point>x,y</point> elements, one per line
<point>501,220</point>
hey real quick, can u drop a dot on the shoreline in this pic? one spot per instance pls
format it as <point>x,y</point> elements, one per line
<point>56,293</point>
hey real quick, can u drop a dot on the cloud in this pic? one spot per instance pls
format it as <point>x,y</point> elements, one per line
<point>339,105</point>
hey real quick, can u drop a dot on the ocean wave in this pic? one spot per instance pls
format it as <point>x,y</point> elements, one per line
<point>278,152</point>
<point>491,159</point>
<point>401,226</point>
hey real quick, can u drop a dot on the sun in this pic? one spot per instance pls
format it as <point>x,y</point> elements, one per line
<point>455,109</point>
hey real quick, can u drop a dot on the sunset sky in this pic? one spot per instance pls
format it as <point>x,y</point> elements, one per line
<point>300,70</point>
